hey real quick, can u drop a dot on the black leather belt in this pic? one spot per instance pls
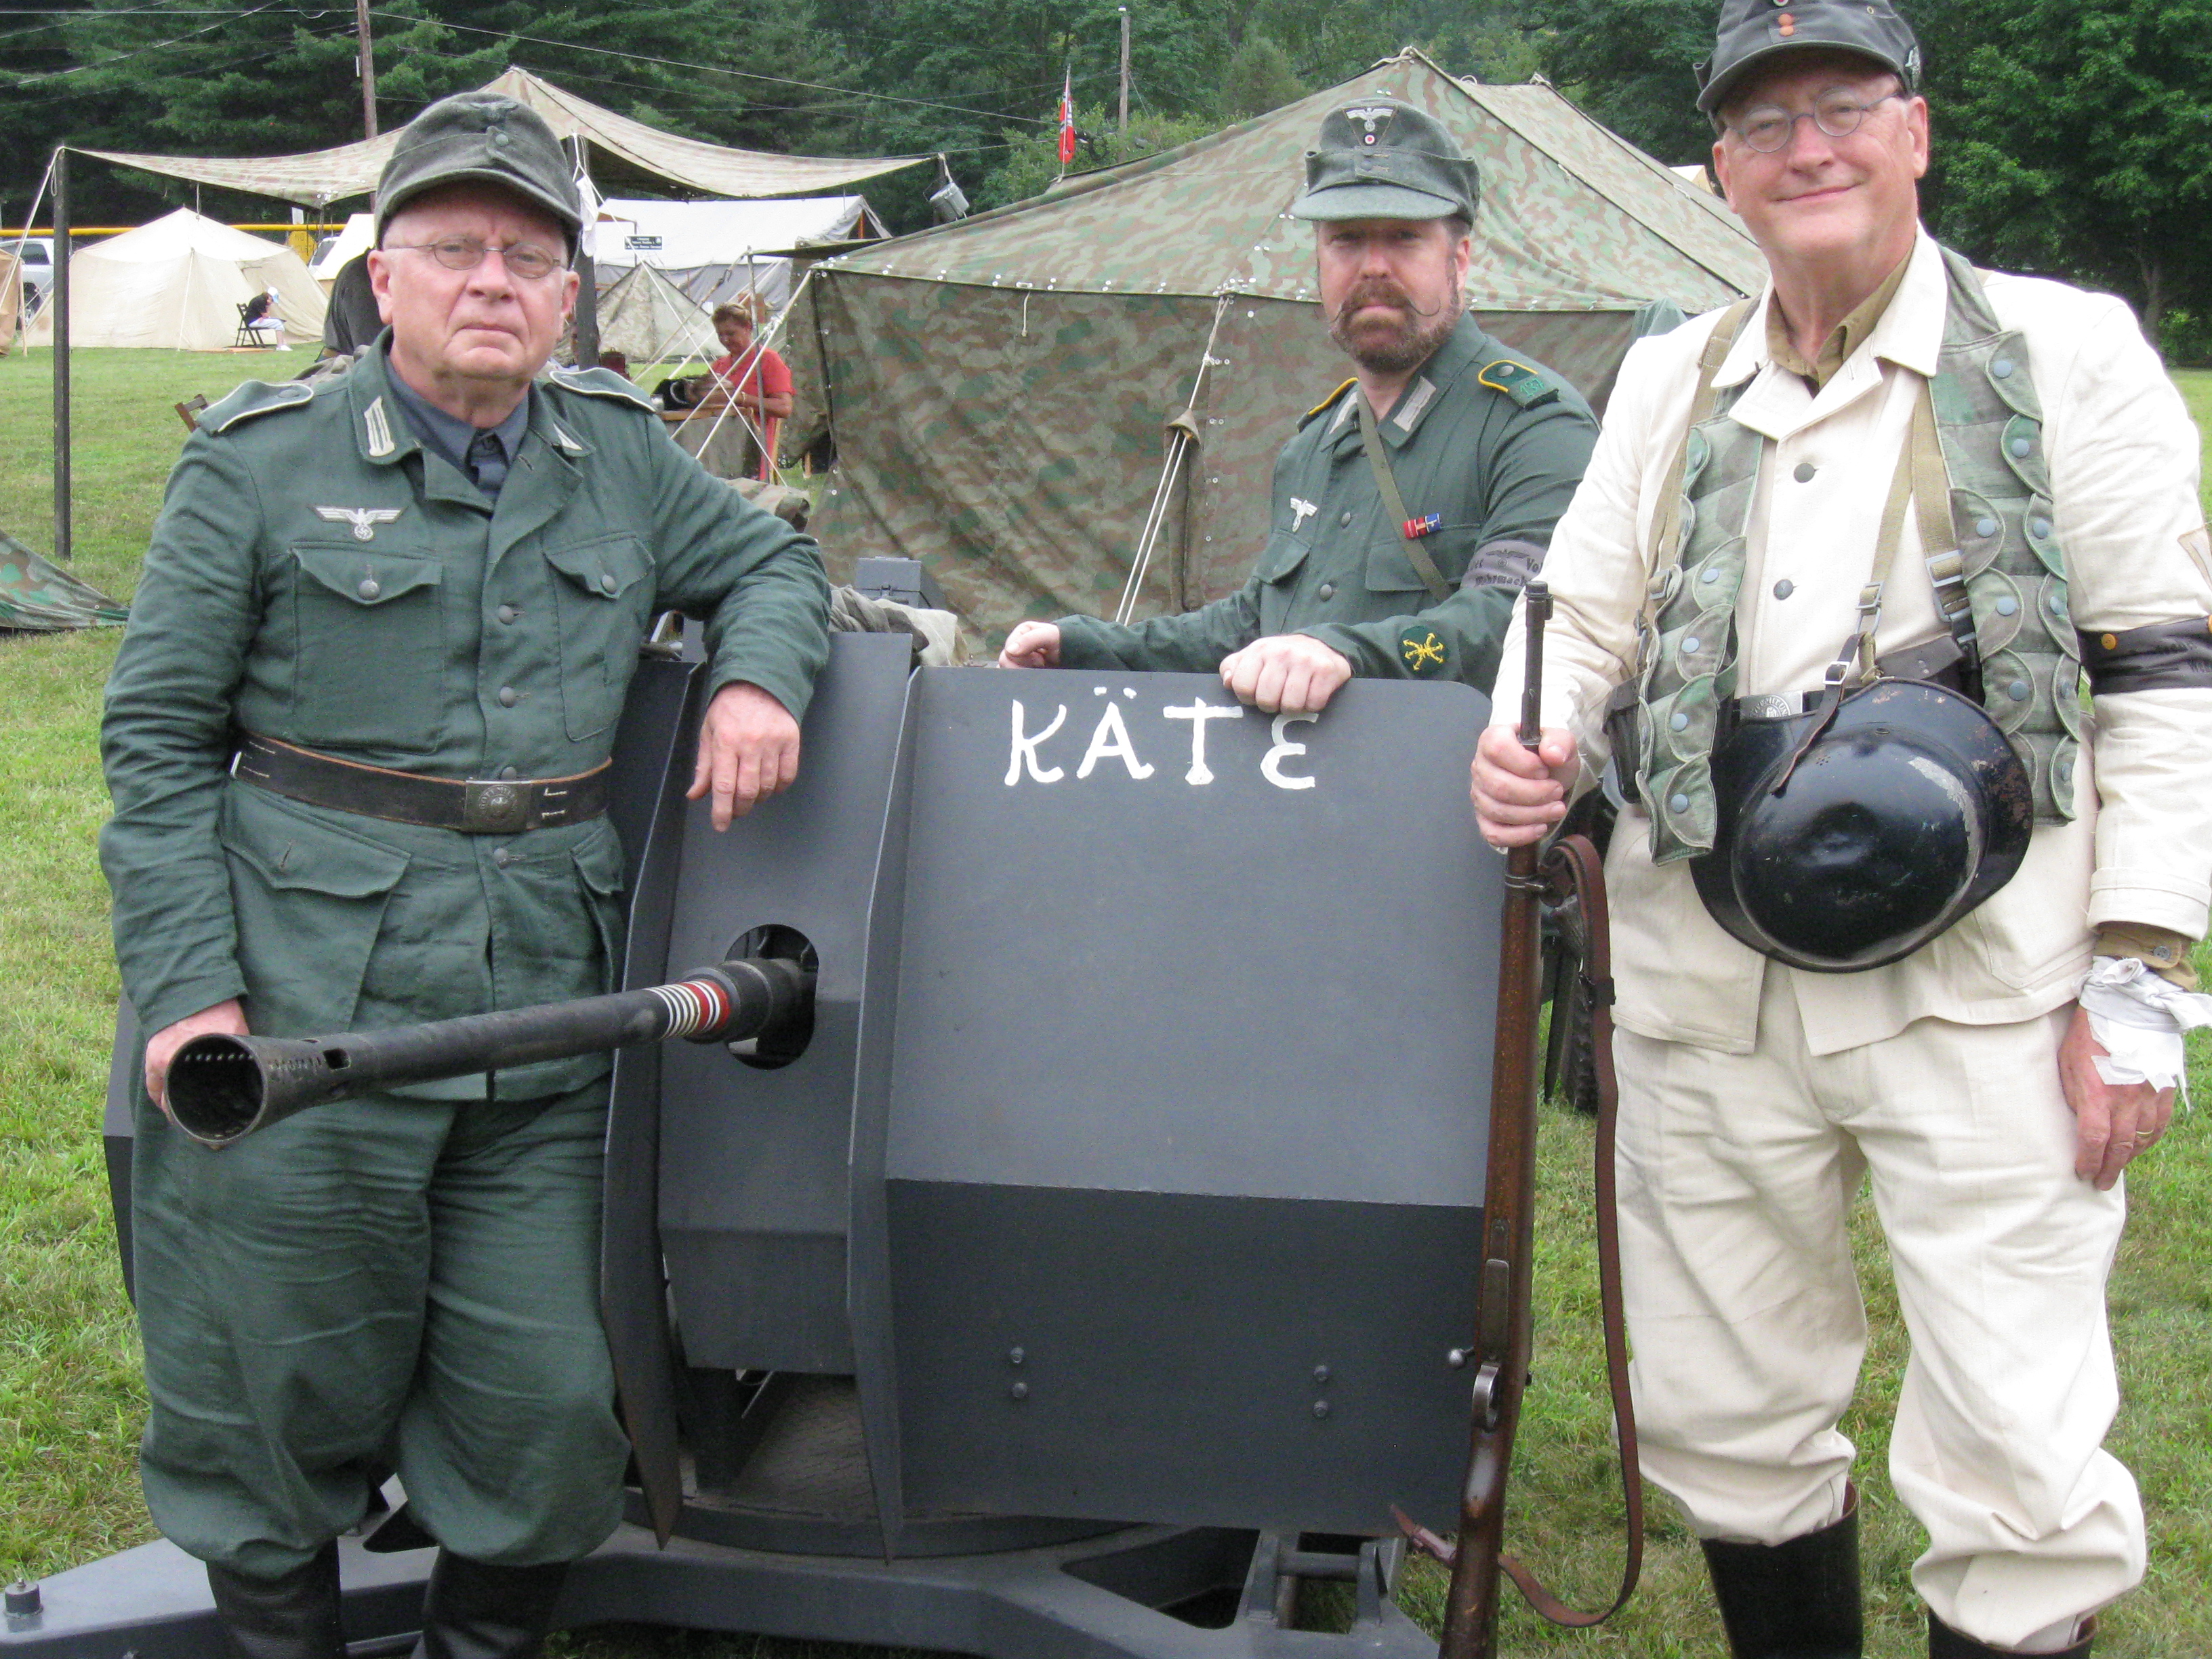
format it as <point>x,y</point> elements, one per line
<point>476,806</point>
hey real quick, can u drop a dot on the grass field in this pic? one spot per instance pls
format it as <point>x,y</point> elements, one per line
<point>70,1398</point>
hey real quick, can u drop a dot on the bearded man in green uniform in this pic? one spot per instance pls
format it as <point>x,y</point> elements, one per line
<point>356,737</point>
<point>1419,497</point>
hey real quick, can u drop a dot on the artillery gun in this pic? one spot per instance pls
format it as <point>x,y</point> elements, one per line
<point>1083,1253</point>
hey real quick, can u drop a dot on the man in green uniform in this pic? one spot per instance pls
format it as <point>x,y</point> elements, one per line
<point>1413,503</point>
<point>355,738</point>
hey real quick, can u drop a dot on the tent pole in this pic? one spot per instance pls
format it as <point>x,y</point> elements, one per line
<point>61,303</point>
<point>587,284</point>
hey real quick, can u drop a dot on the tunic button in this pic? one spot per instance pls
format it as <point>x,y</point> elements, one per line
<point>507,613</point>
<point>510,773</point>
<point>1327,590</point>
<point>607,583</point>
<point>508,697</point>
<point>1785,588</point>
<point>368,589</point>
<point>1985,526</point>
<point>1346,519</point>
<point>2007,605</point>
<point>1804,472</point>
<point>498,857</point>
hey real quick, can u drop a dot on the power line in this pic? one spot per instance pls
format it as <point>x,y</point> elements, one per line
<point>121,57</point>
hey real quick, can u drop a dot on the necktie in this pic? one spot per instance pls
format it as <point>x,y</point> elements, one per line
<point>487,461</point>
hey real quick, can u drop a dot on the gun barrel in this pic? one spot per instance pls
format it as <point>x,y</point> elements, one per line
<point>223,1088</point>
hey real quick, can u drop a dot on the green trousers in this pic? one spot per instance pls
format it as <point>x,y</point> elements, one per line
<point>410,1283</point>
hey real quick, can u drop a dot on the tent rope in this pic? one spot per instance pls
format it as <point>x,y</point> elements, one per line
<point>764,340</point>
<point>1180,443</point>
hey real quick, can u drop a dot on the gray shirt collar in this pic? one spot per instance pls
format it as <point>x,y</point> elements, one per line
<point>450,435</point>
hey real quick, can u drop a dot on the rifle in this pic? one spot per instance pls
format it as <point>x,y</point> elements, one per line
<point>1504,1325</point>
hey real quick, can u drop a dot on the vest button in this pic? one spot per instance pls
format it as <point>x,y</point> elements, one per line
<point>508,697</point>
<point>1985,526</point>
<point>2017,690</point>
<point>1327,590</point>
<point>1710,574</point>
<point>2058,603</point>
<point>507,613</point>
<point>2019,446</point>
<point>2039,527</point>
<point>1785,588</point>
<point>2001,368</point>
<point>1678,803</point>
<point>1678,721</point>
<point>1804,472</point>
<point>368,589</point>
<point>2007,605</point>
<point>1692,643</point>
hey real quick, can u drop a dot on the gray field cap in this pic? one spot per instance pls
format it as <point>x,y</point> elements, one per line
<point>1380,159</point>
<point>480,137</point>
<point>1753,31</point>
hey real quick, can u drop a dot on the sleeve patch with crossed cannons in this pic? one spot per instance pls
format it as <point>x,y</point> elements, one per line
<point>1422,651</point>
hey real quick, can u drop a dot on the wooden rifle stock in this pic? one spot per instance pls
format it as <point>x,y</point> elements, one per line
<point>1504,1325</point>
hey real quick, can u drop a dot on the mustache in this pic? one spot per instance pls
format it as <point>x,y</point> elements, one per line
<point>1381,291</point>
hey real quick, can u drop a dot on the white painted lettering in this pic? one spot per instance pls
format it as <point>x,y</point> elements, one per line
<point>1198,714</point>
<point>1025,750</point>
<point>1111,741</point>
<point>1271,764</point>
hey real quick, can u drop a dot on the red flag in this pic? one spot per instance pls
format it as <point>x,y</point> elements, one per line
<point>1067,119</point>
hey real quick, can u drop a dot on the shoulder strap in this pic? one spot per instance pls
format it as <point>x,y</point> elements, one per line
<point>1394,504</point>
<point>1668,528</point>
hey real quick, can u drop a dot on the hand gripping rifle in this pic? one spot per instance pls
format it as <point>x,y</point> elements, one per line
<point>1503,1323</point>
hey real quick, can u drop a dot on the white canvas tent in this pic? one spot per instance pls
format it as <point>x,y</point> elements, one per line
<point>358,237</point>
<point>648,318</point>
<point>178,283</point>
<point>716,250</point>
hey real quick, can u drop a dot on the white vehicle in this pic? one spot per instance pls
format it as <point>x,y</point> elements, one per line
<point>38,256</point>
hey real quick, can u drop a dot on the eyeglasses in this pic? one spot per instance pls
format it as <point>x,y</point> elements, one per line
<point>1836,112</point>
<point>524,259</point>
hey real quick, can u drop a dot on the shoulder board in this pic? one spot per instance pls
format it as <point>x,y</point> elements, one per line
<point>256,397</point>
<point>1525,385</point>
<point>1326,404</point>
<point>602,383</point>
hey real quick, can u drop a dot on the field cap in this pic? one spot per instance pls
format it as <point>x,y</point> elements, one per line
<point>480,137</point>
<point>1753,31</point>
<point>1380,159</point>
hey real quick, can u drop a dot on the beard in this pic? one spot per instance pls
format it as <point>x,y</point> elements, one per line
<point>1401,347</point>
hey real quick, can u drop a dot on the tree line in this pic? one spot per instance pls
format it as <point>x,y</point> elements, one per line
<point>2074,137</point>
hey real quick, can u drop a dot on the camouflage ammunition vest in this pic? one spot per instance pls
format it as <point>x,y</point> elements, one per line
<point>2002,588</point>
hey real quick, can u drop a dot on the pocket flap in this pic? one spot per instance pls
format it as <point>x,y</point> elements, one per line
<point>367,576</point>
<point>289,851</point>
<point>1389,571</point>
<point>1281,558</point>
<point>606,568</point>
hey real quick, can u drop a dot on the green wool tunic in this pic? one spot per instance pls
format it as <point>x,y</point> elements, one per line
<point>398,1281</point>
<point>1491,444</point>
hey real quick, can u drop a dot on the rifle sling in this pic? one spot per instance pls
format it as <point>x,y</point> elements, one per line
<point>1378,462</point>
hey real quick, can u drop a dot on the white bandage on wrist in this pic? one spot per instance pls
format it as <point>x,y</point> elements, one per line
<point>2139,1018</point>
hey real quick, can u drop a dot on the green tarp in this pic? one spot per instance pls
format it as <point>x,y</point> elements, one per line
<point>997,387</point>
<point>36,597</point>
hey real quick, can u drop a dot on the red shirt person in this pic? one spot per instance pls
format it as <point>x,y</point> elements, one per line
<point>753,380</point>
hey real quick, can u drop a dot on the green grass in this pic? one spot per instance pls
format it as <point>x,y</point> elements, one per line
<point>70,1398</point>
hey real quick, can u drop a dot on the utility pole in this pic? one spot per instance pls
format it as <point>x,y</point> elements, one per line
<point>61,305</point>
<point>368,68</point>
<point>1124,67</point>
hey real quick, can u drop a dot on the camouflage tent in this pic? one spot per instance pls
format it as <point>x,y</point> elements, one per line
<point>997,387</point>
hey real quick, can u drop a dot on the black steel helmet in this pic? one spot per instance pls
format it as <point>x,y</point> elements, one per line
<point>1906,813</point>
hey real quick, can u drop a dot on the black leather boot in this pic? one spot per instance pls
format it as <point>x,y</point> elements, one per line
<point>1944,1643</point>
<point>294,1617</point>
<point>1796,1599</point>
<point>477,1610</point>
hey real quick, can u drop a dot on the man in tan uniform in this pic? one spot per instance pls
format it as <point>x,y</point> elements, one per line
<point>1713,573</point>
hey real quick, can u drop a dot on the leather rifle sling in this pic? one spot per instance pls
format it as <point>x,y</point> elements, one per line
<point>1379,463</point>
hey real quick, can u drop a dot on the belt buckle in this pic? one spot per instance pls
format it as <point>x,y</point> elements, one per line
<point>493,806</point>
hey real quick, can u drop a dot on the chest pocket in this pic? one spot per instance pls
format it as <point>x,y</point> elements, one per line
<point>602,600</point>
<point>1390,571</point>
<point>368,651</point>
